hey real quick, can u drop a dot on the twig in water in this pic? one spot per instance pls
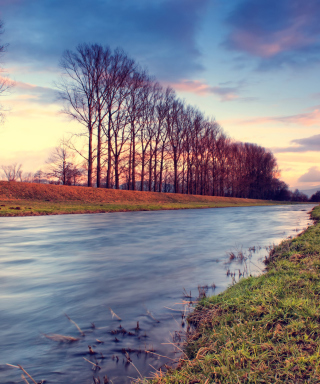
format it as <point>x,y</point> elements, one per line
<point>256,266</point>
<point>136,368</point>
<point>150,314</point>
<point>91,351</point>
<point>77,326</point>
<point>61,338</point>
<point>176,310</point>
<point>186,294</point>
<point>96,365</point>
<point>153,353</point>
<point>24,371</point>
<point>24,378</point>
<point>114,315</point>
<point>175,345</point>
<point>175,321</point>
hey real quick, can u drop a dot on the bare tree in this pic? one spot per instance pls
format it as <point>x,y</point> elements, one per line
<point>118,78</point>
<point>135,128</point>
<point>62,167</point>
<point>5,82</point>
<point>78,91</point>
<point>13,172</point>
<point>40,177</point>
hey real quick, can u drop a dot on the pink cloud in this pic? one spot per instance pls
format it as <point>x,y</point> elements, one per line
<point>192,86</point>
<point>304,119</point>
<point>276,42</point>
<point>31,93</point>
<point>200,88</point>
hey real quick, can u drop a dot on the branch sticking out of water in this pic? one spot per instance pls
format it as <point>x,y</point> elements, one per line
<point>24,378</point>
<point>96,366</point>
<point>61,338</point>
<point>150,314</point>
<point>114,314</point>
<point>186,294</point>
<point>77,326</point>
<point>24,371</point>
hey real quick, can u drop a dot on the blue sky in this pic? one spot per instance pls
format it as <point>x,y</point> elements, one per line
<point>252,64</point>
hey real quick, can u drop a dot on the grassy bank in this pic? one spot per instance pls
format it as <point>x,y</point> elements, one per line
<point>263,329</point>
<point>29,199</point>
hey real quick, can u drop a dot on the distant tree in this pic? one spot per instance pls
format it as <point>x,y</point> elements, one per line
<point>280,191</point>
<point>299,196</point>
<point>315,197</point>
<point>13,172</point>
<point>40,177</point>
<point>62,167</point>
<point>27,177</point>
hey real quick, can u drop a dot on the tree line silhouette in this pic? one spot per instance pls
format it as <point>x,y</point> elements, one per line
<point>138,135</point>
<point>141,136</point>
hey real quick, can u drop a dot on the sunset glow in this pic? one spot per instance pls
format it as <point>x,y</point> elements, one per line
<point>258,80</point>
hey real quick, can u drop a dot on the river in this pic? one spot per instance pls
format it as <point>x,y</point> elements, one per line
<point>132,264</point>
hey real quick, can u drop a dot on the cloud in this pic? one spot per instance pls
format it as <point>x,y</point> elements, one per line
<point>277,32</point>
<point>309,144</point>
<point>34,94</point>
<point>160,33</point>
<point>222,91</point>
<point>307,119</point>
<point>312,176</point>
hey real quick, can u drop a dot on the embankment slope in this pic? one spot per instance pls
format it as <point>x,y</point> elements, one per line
<point>18,199</point>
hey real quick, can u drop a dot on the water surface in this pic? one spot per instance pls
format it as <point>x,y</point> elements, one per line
<point>137,264</point>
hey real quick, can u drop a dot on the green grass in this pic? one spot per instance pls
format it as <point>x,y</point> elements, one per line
<point>263,329</point>
<point>36,207</point>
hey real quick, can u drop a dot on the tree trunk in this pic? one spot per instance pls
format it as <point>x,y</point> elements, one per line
<point>142,171</point>
<point>155,169</point>
<point>175,165</point>
<point>90,159</point>
<point>99,155</point>
<point>108,182</point>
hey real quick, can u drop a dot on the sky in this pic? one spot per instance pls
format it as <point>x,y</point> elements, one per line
<point>253,65</point>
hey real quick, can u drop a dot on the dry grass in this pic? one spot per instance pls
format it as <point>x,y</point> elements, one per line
<point>26,199</point>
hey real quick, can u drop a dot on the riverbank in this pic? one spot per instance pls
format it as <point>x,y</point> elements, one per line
<point>263,329</point>
<point>30,199</point>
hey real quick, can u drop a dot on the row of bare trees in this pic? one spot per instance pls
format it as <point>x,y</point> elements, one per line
<point>139,135</point>
<point>60,170</point>
<point>5,82</point>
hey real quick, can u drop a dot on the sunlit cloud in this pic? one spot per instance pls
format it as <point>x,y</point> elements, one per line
<point>224,93</point>
<point>307,119</point>
<point>302,145</point>
<point>312,176</point>
<point>34,93</point>
<point>276,31</point>
<point>276,42</point>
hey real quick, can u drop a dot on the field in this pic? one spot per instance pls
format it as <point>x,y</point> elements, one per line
<point>263,329</point>
<point>30,199</point>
